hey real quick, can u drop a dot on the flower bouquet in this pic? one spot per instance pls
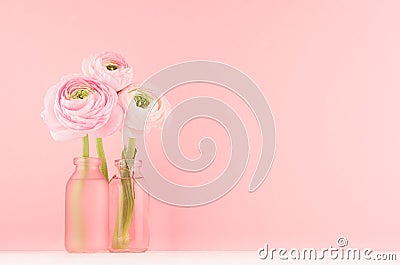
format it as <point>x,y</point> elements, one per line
<point>94,104</point>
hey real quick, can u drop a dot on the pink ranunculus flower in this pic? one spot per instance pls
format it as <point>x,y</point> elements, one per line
<point>144,103</point>
<point>109,67</point>
<point>80,105</point>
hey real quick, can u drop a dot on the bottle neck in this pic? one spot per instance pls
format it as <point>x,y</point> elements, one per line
<point>87,167</point>
<point>128,168</point>
<point>126,172</point>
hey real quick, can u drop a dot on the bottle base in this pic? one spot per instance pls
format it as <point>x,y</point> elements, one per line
<point>87,251</point>
<point>130,250</point>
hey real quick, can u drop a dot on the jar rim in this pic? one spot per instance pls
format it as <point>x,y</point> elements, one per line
<point>136,163</point>
<point>95,161</point>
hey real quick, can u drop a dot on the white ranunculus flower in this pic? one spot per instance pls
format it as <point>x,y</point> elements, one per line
<point>144,103</point>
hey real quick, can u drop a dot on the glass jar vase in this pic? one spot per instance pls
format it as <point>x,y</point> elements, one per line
<point>129,208</point>
<point>86,208</point>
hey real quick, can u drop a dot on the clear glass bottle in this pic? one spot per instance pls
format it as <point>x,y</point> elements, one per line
<point>86,208</point>
<point>129,208</point>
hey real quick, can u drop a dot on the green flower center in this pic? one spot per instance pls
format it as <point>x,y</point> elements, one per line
<point>80,93</point>
<point>111,66</point>
<point>143,100</point>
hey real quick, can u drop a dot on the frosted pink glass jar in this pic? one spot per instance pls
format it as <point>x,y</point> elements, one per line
<point>86,208</point>
<point>129,208</point>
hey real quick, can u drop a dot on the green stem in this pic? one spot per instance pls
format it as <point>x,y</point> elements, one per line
<point>101,154</point>
<point>77,200</point>
<point>85,146</point>
<point>131,152</point>
<point>121,236</point>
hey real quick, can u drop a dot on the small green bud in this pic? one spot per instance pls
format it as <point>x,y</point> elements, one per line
<point>143,99</point>
<point>111,66</point>
<point>80,93</point>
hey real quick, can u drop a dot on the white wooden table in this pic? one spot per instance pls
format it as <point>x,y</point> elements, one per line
<point>158,257</point>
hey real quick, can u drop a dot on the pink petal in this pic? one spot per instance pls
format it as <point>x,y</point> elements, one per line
<point>66,135</point>
<point>48,114</point>
<point>113,124</point>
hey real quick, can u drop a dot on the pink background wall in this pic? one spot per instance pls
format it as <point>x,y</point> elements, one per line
<point>329,69</point>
